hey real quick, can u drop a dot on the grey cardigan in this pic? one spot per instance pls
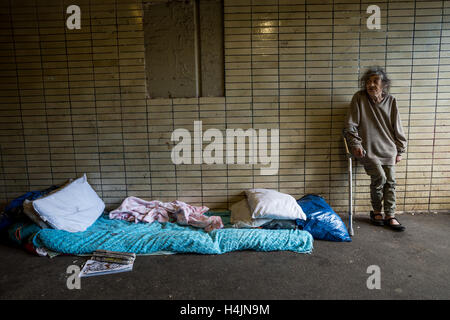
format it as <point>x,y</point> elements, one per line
<point>375,127</point>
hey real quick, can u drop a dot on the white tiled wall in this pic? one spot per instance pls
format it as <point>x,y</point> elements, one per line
<point>74,101</point>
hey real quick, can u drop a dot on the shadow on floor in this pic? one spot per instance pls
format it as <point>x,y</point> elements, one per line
<point>413,265</point>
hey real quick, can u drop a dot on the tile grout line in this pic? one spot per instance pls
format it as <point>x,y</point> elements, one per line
<point>435,108</point>
<point>120,98</point>
<point>95,106</point>
<point>19,95</point>
<point>44,92</point>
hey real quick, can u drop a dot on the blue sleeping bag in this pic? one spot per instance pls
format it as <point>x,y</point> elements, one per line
<point>147,238</point>
<point>13,212</point>
<point>322,222</point>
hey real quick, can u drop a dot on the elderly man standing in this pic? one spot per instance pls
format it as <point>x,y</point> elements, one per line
<point>375,136</point>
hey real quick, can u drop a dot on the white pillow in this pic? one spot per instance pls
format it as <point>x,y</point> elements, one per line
<point>73,208</point>
<point>266,203</point>
<point>241,216</point>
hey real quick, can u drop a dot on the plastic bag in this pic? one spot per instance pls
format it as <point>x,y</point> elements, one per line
<point>321,220</point>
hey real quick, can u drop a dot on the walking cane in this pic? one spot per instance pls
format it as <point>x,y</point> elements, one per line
<point>350,191</point>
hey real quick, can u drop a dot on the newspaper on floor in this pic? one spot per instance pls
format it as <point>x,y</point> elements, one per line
<point>107,262</point>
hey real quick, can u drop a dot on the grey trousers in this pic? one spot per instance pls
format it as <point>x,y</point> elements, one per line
<point>382,187</point>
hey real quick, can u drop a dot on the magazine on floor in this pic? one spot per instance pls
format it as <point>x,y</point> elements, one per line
<point>107,262</point>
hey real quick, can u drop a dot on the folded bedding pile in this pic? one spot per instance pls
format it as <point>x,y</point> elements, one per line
<point>139,210</point>
<point>148,238</point>
<point>269,209</point>
<point>17,224</point>
<point>71,220</point>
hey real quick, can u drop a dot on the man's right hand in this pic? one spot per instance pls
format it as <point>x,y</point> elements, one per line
<point>358,152</point>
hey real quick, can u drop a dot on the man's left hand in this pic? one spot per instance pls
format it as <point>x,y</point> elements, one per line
<point>398,159</point>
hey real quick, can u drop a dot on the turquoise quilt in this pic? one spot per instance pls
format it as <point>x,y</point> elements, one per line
<point>145,238</point>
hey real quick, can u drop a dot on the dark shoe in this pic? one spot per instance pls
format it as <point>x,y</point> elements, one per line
<point>396,227</point>
<point>377,222</point>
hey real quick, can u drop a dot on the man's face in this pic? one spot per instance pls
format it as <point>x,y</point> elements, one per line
<point>374,85</point>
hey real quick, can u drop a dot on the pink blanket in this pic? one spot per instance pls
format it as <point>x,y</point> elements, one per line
<point>136,210</point>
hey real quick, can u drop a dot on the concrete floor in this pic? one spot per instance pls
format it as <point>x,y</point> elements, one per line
<point>413,265</point>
